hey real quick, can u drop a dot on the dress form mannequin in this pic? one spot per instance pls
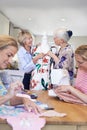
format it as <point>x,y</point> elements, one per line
<point>40,76</point>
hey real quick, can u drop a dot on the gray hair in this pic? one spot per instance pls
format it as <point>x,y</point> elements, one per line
<point>63,34</point>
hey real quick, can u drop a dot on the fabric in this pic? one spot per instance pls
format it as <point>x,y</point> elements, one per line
<point>52,113</point>
<point>26,122</point>
<point>66,60</point>
<point>40,75</point>
<point>25,60</point>
<point>3,91</point>
<point>60,77</point>
<point>81,81</point>
<point>19,119</point>
<point>67,97</point>
<point>80,84</point>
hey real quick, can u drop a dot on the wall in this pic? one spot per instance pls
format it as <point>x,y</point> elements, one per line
<point>78,40</point>
<point>6,27</point>
<point>4,24</point>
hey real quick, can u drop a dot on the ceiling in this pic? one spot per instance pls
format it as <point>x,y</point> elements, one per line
<point>44,16</point>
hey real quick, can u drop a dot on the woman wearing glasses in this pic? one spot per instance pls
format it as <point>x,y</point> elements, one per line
<point>78,93</point>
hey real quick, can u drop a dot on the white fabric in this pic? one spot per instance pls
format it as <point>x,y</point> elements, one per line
<point>44,47</point>
<point>52,93</point>
<point>60,77</point>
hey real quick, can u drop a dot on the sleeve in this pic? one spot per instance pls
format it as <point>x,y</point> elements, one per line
<point>3,91</point>
<point>64,60</point>
<point>25,62</point>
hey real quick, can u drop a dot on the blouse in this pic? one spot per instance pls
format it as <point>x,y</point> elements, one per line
<point>25,62</point>
<point>81,81</point>
<point>66,60</point>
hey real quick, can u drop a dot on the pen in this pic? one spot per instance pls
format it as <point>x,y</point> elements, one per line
<point>19,106</point>
<point>49,108</point>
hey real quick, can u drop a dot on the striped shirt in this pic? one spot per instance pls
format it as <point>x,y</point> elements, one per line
<point>81,81</point>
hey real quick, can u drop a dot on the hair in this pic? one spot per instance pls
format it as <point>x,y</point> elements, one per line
<point>63,34</point>
<point>82,51</point>
<point>70,33</point>
<point>6,41</point>
<point>22,36</point>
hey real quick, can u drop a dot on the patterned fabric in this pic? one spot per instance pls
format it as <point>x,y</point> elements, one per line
<point>20,119</point>
<point>3,91</point>
<point>66,60</point>
<point>81,81</point>
<point>40,76</point>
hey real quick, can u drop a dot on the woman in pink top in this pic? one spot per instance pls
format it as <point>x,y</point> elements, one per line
<point>77,94</point>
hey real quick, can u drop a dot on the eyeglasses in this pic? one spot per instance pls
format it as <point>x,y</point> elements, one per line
<point>79,62</point>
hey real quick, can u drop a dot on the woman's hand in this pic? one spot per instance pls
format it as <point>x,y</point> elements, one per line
<point>62,88</point>
<point>40,55</point>
<point>52,55</point>
<point>37,57</point>
<point>31,106</point>
<point>15,88</point>
<point>49,53</point>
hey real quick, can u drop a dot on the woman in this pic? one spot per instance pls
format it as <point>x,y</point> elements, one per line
<point>65,57</point>
<point>26,63</point>
<point>77,94</point>
<point>8,48</point>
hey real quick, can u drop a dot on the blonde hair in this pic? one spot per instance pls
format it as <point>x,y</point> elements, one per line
<point>6,41</point>
<point>82,51</point>
<point>22,36</point>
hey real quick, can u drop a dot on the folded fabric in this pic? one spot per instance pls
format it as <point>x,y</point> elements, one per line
<point>20,119</point>
<point>52,93</point>
<point>68,97</point>
<point>52,113</point>
<point>60,77</point>
<point>26,121</point>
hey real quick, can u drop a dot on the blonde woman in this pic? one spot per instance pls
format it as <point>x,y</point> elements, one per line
<point>26,62</point>
<point>78,93</point>
<point>8,48</point>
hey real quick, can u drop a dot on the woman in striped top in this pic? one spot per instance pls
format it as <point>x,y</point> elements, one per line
<point>77,94</point>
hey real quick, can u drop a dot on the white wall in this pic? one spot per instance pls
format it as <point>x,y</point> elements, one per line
<point>75,41</point>
<point>4,24</point>
<point>78,40</point>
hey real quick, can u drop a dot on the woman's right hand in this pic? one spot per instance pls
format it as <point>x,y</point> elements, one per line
<point>15,88</point>
<point>39,56</point>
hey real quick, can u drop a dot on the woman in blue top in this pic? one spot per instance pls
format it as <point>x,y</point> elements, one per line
<point>25,61</point>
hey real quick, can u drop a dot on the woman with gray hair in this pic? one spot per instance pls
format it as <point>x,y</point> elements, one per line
<point>65,57</point>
